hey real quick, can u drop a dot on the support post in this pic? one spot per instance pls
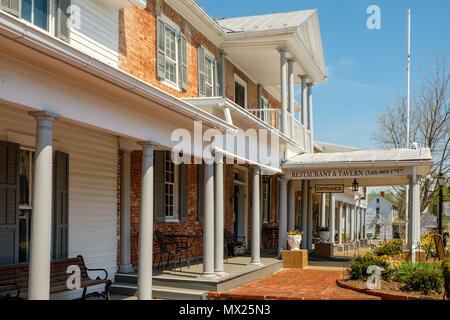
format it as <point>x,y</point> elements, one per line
<point>291,206</point>
<point>304,214</point>
<point>291,96</point>
<point>283,91</point>
<point>208,223</point>
<point>282,227</point>
<point>219,218</point>
<point>414,214</point>
<point>145,264</point>
<point>340,209</point>
<point>41,219</point>
<point>256,218</point>
<point>323,210</point>
<point>332,217</point>
<point>310,116</point>
<point>310,216</point>
<point>125,243</point>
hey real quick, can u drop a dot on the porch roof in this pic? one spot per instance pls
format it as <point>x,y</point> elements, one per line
<point>369,167</point>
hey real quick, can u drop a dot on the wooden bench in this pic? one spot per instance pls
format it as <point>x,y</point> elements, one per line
<point>14,279</point>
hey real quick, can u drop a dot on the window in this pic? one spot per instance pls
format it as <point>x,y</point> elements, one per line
<point>172,53</point>
<point>266,199</point>
<point>170,187</point>
<point>207,73</point>
<point>240,91</point>
<point>26,168</point>
<point>40,13</point>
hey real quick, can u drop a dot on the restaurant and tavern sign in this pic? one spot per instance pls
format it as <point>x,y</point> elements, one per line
<point>329,188</point>
<point>345,173</point>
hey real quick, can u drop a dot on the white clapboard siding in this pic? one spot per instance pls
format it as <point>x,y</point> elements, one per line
<point>92,186</point>
<point>98,34</point>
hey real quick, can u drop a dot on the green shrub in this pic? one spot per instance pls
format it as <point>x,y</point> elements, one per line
<point>424,277</point>
<point>358,268</point>
<point>393,247</point>
<point>446,272</point>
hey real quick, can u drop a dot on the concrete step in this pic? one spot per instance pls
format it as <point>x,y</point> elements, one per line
<point>196,284</point>
<point>160,292</point>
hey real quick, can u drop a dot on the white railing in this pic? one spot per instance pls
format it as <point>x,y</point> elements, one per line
<point>295,130</point>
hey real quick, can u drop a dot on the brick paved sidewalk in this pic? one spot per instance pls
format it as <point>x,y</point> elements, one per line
<point>290,284</point>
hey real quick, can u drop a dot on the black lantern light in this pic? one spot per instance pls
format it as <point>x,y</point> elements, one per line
<point>355,186</point>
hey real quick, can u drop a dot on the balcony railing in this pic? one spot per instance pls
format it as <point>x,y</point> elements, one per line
<point>295,130</point>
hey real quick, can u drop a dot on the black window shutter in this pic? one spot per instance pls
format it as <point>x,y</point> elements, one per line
<point>183,205</point>
<point>200,190</point>
<point>11,6</point>
<point>61,206</point>
<point>159,185</point>
<point>9,203</point>
<point>62,20</point>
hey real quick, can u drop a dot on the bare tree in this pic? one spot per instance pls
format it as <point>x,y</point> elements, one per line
<point>429,126</point>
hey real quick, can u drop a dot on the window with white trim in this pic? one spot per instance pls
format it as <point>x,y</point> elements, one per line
<point>171,53</point>
<point>207,73</point>
<point>170,187</point>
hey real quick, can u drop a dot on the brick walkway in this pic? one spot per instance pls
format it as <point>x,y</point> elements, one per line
<point>290,284</point>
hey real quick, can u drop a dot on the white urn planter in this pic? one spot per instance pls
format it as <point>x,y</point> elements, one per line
<point>324,236</point>
<point>294,242</point>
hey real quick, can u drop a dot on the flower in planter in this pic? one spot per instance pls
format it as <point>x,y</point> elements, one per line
<point>295,232</point>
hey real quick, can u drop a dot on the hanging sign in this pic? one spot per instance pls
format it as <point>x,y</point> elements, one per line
<point>346,173</point>
<point>329,188</point>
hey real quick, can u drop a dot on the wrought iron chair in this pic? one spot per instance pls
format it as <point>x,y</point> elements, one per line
<point>166,246</point>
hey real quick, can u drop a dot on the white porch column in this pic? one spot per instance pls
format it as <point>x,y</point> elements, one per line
<point>351,222</point>
<point>125,251</point>
<point>291,206</point>
<point>291,95</point>
<point>282,226</point>
<point>41,219</point>
<point>310,115</point>
<point>256,218</point>
<point>332,216</point>
<point>310,216</point>
<point>145,265</point>
<point>365,226</point>
<point>360,223</point>
<point>356,223</point>
<point>323,207</point>
<point>340,209</point>
<point>219,218</point>
<point>346,219</point>
<point>283,91</point>
<point>304,214</point>
<point>414,214</point>
<point>304,118</point>
<point>208,223</point>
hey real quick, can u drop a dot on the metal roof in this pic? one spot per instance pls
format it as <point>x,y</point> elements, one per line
<point>266,21</point>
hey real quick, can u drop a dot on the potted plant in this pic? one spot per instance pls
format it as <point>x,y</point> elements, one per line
<point>324,234</point>
<point>294,238</point>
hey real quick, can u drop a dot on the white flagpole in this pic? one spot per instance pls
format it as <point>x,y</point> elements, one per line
<point>407,120</point>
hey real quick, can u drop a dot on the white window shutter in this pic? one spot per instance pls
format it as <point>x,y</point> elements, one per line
<point>201,72</point>
<point>183,62</point>
<point>11,6</point>
<point>161,49</point>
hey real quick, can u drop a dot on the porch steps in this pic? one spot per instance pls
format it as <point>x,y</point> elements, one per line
<point>191,288</point>
<point>160,292</point>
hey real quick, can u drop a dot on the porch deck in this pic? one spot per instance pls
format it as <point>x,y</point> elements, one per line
<point>189,284</point>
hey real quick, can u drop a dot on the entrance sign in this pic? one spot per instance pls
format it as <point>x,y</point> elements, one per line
<point>346,173</point>
<point>329,188</point>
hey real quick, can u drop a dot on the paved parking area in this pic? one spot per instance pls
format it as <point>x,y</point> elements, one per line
<point>294,284</point>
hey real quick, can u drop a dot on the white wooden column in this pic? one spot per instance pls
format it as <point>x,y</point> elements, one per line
<point>256,219</point>
<point>332,216</point>
<point>365,226</point>
<point>310,216</point>
<point>304,117</point>
<point>145,264</point>
<point>291,95</point>
<point>304,214</point>
<point>41,219</point>
<point>291,205</point>
<point>310,116</point>
<point>282,226</point>
<point>323,207</point>
<point>340,210</point>
<point>283,91</point>
<point>208,223</point>
<point>219,218</point>
<point>414,214</point>
<point>125,244</point>
<point>351,222</point>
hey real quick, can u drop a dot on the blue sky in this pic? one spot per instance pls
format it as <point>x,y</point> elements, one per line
<point>366,68</point>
